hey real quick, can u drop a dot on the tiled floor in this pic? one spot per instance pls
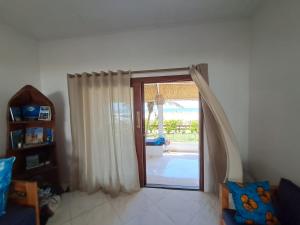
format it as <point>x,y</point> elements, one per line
<point>174,168</point>
<point>149,206</point>
<point>183,147</point>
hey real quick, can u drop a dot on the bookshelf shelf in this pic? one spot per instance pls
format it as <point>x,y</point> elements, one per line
<point>37,122</point>
<point>35,146</point>
<point>36,171</point>
<point>34,154</point>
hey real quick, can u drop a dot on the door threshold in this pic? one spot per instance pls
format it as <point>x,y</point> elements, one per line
<point>173,187</point>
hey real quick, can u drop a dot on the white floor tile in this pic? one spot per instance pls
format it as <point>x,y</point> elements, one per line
<point>82,202</point>
<point>155,194</point>
<point>67,223</point>
<point>101,215</point>
<point>130,206</point>
<point>205,217</point>
<point>62,213</point>
<point>150,206</point>
<point>180,210</point>
<point>151,217</point>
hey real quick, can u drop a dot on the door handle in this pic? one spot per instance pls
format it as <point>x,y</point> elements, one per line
<point>138,119</point>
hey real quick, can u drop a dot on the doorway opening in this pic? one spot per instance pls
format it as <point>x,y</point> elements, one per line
<point>171,113</point>
<point>169,132</point>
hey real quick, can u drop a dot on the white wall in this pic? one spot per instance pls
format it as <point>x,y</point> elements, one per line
<point>18,66</point>
<point>224,46</point>
<point>274,149</point>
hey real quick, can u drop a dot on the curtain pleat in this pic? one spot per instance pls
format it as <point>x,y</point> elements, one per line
<point>223,154</point>
<point>104,154</point>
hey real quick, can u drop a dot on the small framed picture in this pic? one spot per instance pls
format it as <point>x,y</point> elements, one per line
<point>45,113</point>
<point>32,161</point>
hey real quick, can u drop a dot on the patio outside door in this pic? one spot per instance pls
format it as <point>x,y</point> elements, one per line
<point>168,132</point>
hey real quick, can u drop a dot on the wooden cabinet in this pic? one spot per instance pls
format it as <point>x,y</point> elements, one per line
<point>46,172</point>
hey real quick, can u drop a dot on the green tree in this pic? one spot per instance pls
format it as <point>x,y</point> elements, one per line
<point>179,123</point>
<point>171,125</point>
<point>194,128</point>
<point>153,125</point>
<point>146,126</point>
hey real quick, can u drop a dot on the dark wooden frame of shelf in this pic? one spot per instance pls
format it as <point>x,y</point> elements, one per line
<point>26,96</point>
<point>36,146</point>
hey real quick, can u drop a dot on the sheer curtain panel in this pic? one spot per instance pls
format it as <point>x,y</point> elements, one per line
<point>104,155</point>
<point>223,152</point>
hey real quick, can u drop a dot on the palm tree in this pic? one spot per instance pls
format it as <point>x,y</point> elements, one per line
<point>150,106</point>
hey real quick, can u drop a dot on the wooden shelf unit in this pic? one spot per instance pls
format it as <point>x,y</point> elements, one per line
<point>46,174</point>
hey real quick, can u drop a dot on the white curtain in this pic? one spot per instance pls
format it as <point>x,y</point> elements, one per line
<point>223,153</point>
<point>104,154</point>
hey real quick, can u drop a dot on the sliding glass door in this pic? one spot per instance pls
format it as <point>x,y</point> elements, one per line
<point>168,131</point>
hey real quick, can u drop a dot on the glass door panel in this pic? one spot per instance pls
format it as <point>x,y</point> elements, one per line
<point>171,131</point>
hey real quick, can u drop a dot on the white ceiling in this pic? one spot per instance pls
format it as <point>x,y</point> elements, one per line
<point>51,19</point>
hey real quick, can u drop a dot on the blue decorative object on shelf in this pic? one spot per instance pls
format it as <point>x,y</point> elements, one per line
<point>30,112</point>
<point>5,179</point>
<point>49,135</point>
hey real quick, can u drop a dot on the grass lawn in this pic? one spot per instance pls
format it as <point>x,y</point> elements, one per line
<point>177,137</point>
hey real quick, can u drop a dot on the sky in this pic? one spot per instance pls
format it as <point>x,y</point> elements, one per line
<point>187,111</point>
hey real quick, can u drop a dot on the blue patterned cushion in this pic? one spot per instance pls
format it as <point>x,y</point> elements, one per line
<point>5,179</point>
<point>253,203</point>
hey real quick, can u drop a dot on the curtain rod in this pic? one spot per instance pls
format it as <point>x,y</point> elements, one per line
<point>160,70</point>
<point>142,71</point>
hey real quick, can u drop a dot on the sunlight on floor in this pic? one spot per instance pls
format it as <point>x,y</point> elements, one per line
<point>175,168</point>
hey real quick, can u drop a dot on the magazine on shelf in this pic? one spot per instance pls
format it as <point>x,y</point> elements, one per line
<point>17,138</point>
<point>30,112</point>
<point>34,135</point>
<point>15,113</point>
<point>32,161</point>
<point>45,113</point>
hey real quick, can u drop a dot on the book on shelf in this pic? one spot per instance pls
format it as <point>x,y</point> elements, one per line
<point>17,138</point>
<point>30,112</point>
<point>45,113</point>
<point>34,135</point>
<point>15,113</point>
